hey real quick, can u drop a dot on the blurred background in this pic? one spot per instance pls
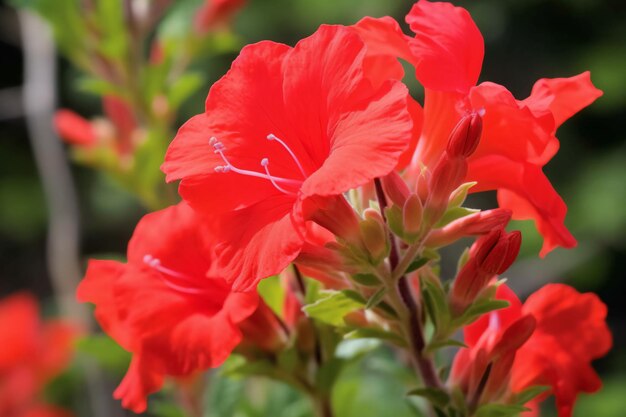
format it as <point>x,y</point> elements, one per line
<point>525,40</point>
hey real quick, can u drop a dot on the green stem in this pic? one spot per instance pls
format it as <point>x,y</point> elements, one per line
<point>403,301</point>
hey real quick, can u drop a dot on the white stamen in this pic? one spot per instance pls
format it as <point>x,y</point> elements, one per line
<point>494,321</point>
<point>264,163</point>
<point>272,136</point>
<point>219,148</point>
<point>155,264</point>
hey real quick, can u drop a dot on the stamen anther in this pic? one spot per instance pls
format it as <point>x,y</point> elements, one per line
<point>264,163</point>
<point>273,137</point>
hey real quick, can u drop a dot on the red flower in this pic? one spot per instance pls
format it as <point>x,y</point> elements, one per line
<point>74,129</point>
<point>31,354</point>
<point>518,137</point>
<point>570,332</point>
<point>162,307</point>
<point>286,126</point>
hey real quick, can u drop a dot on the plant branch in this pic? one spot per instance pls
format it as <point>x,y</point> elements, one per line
<point>402,298</point>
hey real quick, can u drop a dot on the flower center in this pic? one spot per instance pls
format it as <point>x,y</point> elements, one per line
<point>284,185</point>
<point>175,280</point>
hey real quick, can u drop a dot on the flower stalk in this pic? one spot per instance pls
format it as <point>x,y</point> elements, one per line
<point>404,302</point>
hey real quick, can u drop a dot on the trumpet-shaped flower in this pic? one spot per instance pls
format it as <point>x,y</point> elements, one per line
<point>518,136</point>
<point>162,307</point>
<point>284,128</point>
<point>569,333</point>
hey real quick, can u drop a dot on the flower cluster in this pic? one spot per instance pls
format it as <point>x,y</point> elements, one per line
<point>315,164</point>
<point>33,354</point>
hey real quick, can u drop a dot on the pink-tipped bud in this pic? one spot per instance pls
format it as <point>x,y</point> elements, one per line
<point>412,214</point>
<point>395,188</point>
<point>490,255</point>
<point>446,177</point>
<point>465,136</point>
<point>479,223</point>
<point>422,186</point>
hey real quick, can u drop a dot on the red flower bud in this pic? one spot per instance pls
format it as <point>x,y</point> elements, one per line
<point>446,177</point>
<point>490,255</point>
<point>465,136</point>
<point>395,188</point>
<point>412,214</point>
<point>475,224</point>
<point>74,129</point>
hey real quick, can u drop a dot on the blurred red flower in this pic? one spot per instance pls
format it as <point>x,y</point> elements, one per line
<point>162,307</point>
<point>284,127</point>
<point>518,137</point>
<point>32,353</point>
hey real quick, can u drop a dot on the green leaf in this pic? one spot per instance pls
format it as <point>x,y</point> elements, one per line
<point>313,290</point>
<point>460,194</point>
<point>417,264</point>
<point>437,396</point>
<point>481,307</point>
<point>272,292</point>
<point>288,359</point>
<point>528,394</point>
<point>436,304</point>
<point>368,280</point>
<point>375,333</point>
<point>100,87</point>
<point>334,306</point>
<point>376,298</point>
<point>453,214</point>
<point>224,395</point>
<point>499,410</point>
<point>113,41</point>
<point>328,374</point>
<point>394,220</point>
<point>166,409</point>
<point>105,351</point>
<point>445,343</point>
<point>183,88</point>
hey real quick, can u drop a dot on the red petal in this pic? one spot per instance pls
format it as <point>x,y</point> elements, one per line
<point>510,128</point>
<point>385,44</point>
<point>177,236</point>
<point>97,288</point>
<point>563,97</point>
<point>19,325</point>
<point>352,132</point>
<point>525,190</point>
<point>571,331</point>
<point>448,46</point>
<point>141,380</point>
<point>260,241</point>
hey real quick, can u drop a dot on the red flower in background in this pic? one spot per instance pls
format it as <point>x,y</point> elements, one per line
<point>116,131</point>
<point>32,353</point>
<point>284,127</point>
<point>74,129</point>
<point>162,307</point>
<point>570,332</point>
<point>518,137</point>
